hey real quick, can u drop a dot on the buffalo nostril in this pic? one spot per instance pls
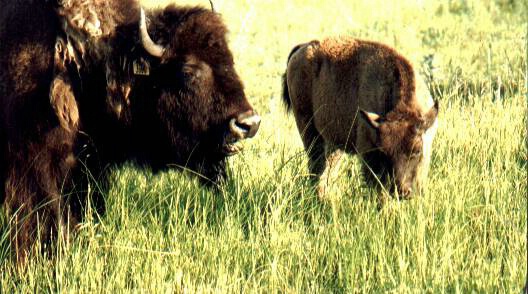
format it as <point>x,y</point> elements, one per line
<point>250,125</point>
<point>245,125</point>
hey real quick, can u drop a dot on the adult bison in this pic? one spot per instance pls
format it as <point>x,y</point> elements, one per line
<point>361,97</point>
<point>95,77</point>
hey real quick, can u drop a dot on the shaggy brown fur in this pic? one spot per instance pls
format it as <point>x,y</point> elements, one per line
<point>331,85</point>
<point>77,79</point>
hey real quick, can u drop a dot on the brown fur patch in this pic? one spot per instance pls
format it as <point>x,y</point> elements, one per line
<point>337,49</point>
<point>63,102</point>
<point>29,58</point>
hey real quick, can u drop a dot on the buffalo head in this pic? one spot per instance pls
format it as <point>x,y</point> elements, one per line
<point>402,138</point>
<point>195,98</point>
<point>185,103</point>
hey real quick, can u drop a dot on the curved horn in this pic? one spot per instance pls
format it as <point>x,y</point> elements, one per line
<point>149,45</point>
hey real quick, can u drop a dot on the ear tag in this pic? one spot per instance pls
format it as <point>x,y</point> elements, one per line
<point>141,67</point>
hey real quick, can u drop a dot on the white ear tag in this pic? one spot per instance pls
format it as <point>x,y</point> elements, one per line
<point>141,67</point>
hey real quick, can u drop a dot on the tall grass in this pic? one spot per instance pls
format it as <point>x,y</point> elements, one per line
<point>265,230</point>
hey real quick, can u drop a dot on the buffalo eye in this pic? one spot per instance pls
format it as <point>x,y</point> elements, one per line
<point>415,153</point>
<point>191,72</point>
<point>197,72</point>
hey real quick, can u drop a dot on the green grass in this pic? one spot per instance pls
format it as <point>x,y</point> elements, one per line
<point>265,230</point>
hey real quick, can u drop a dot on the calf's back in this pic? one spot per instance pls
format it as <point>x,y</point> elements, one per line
<point>330,81</point>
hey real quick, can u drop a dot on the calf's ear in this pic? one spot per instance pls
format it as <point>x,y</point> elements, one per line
<point>430,117</point>
<point>372,118</point>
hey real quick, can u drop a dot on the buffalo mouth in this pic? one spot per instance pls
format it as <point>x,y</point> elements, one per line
<point>242,127</point>
<point>231,145</point>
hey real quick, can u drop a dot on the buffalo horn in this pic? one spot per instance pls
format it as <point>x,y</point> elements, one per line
<point>149,45</point>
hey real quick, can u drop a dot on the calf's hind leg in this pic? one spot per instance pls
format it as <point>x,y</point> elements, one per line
<point>332,164</point>
<point>323,158</point>
<point>313,145</point>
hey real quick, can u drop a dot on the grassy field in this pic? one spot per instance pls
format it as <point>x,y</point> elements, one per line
<point>266,230</point>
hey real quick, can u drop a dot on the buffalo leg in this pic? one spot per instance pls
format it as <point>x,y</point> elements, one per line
<point>313,145</point>
<point>34,202</point>
<point>333,161</point>
<point>39,170</point>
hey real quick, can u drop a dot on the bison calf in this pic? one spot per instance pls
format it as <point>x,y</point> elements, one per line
<point>363,98</point>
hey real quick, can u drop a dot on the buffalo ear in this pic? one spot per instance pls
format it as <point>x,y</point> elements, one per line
<point>430,117</point>
<point>372,118</point>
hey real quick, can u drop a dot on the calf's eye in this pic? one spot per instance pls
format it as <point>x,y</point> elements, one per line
<point>416,153</point>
